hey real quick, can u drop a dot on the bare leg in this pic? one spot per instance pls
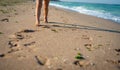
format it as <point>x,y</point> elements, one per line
<point>46,4</point>
<point>38,11</point>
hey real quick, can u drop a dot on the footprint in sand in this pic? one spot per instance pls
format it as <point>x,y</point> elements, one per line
<point>89,47</point>
<point>12,44</point>
<point>29,44</point>
<point>21,56</point>
<point>16,36</point>
<point>19,36</point>
<point>5,20</point>
<point>14,39</point>
<point>87,37</point>
<point>118,51</point>
<point>114,61</point>
<point>84,63</point>
<point>41,60</point>
<point>15,49</point>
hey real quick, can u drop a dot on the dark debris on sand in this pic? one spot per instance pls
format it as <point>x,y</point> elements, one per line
<point>5,20</point>
<point>2,55</point>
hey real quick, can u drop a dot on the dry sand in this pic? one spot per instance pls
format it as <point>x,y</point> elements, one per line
<point>54,45</point>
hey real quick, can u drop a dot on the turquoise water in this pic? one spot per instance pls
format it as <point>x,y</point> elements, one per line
<point>106,11</point>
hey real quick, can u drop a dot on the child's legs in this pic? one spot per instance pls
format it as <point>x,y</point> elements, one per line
<point>46,4</point>
<point>38,10</point>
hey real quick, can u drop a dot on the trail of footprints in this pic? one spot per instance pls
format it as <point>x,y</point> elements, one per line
<point>90,47</point>
<point>15,39</point>
<point>21,35</point>
<point>18,36</point>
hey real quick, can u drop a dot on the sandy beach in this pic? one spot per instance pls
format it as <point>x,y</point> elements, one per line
<point>70,41</point>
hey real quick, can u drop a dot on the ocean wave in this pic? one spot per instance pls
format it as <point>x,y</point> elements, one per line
<point>95,12</point>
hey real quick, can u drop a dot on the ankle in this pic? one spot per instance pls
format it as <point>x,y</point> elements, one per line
<point>45,20</point>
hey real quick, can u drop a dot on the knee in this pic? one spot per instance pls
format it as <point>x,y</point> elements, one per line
<point>38,5</point>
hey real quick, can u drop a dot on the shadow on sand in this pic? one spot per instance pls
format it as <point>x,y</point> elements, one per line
<point>76,26</point>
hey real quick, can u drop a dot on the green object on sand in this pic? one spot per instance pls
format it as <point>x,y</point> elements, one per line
<point>79,56</point>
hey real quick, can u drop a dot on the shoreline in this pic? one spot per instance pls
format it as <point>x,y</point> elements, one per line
<point>84,14</point>
<point>70,41</point>
<point>90,18</point>
<point>102,12</point>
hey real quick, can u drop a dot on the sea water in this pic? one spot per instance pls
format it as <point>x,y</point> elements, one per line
<point>106,11</point>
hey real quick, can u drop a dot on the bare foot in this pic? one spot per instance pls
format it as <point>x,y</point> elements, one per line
<point>45,20</point>
<point>37,24</point>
